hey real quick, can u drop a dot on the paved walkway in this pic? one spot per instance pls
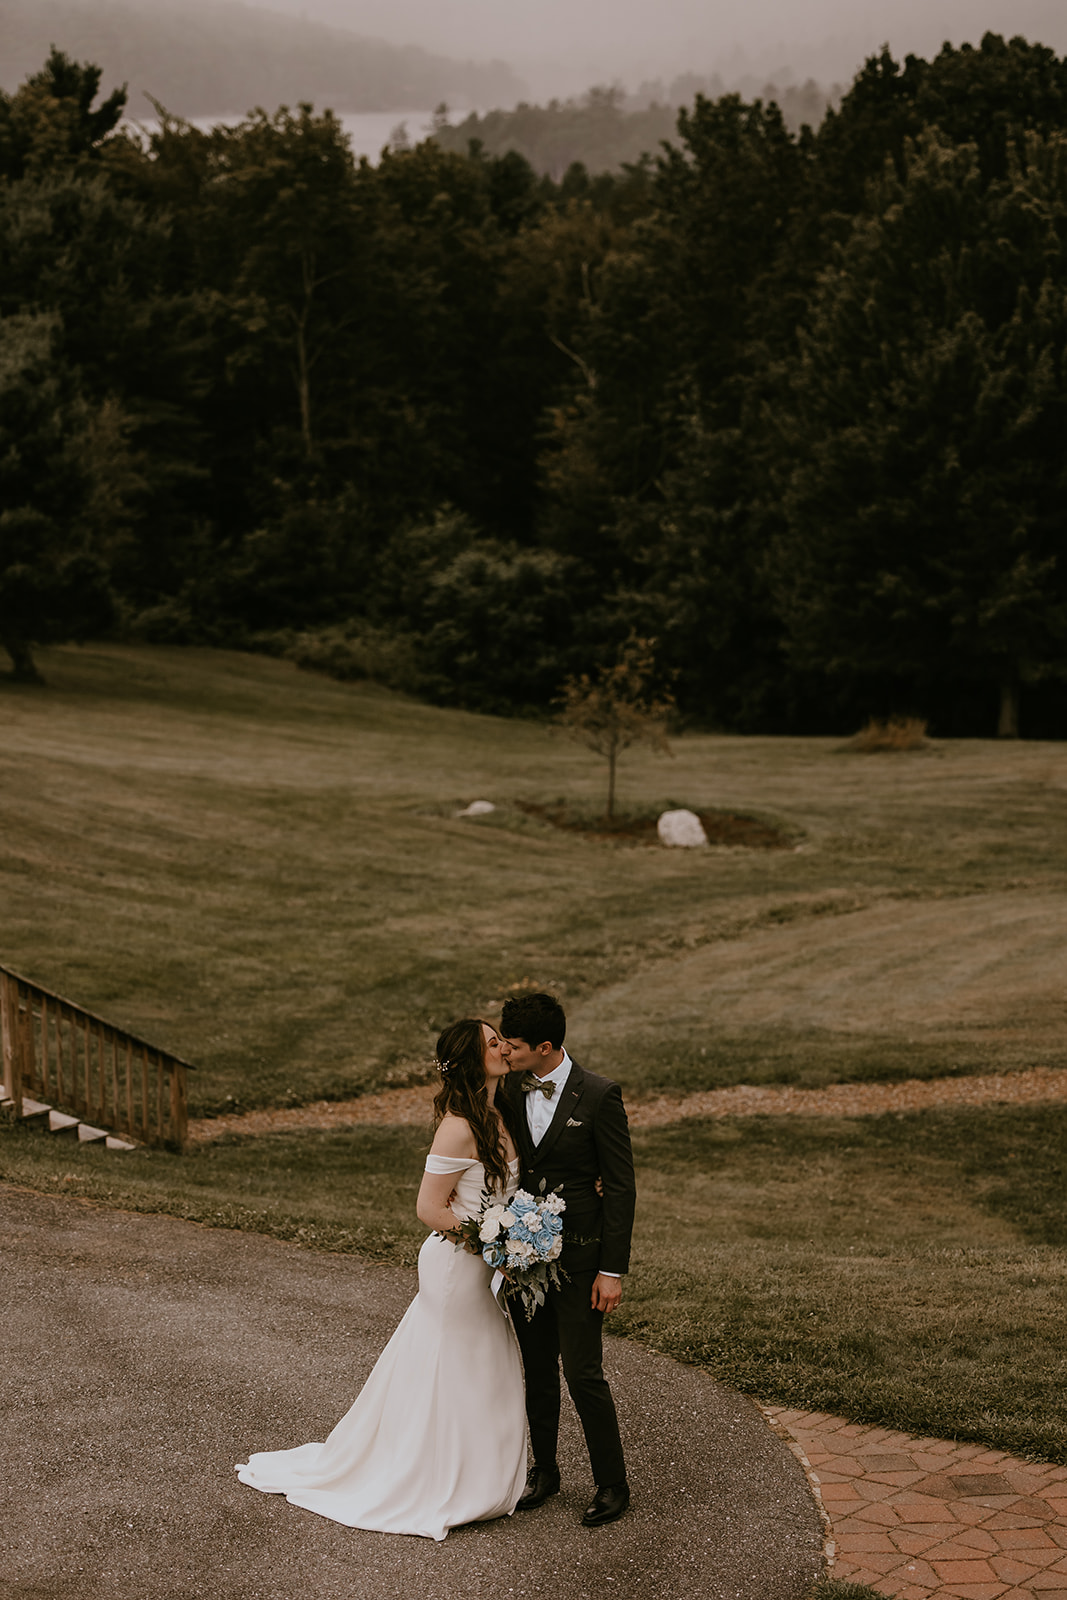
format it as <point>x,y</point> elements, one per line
<point>142,1356</point>
<point>926,1519</point>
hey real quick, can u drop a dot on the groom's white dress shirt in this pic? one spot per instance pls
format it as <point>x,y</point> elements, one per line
<point>541,1108</point>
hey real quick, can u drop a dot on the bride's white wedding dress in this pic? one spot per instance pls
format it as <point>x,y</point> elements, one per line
<point>437,1435</point>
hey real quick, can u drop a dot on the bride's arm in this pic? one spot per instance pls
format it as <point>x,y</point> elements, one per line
<point>455,1140</point>
<point>432,1207</point>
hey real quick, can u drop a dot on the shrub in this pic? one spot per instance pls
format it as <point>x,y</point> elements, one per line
<point>358,652</point>
<point>896,733</point>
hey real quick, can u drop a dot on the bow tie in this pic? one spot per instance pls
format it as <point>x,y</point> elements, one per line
<point>530,1082</point>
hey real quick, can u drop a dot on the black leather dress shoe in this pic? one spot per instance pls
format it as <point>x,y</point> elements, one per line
<point>608,1505</point>
<point>541,1482</point>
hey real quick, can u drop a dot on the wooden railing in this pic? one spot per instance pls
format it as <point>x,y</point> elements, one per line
<point>84,1065</point>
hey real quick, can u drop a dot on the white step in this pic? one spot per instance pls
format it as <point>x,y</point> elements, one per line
<point>60,1123</point>
<point>30,1108</point>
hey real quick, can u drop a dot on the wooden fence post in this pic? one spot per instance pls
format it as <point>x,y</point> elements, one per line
<point>87,1104</point>
<point>145,1133</point>
<point>59,1051</point>
<point>179,1108</point>
<point>26,1047</point>
<point>12,1054</point>
<point>45,1074</point>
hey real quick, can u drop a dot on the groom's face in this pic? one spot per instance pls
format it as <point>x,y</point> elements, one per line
<point>522,1057</point>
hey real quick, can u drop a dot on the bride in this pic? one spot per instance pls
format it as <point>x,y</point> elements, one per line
<point>437,1435</point>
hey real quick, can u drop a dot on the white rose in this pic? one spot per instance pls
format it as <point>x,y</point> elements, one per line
<point>507,1219</point>
<point>554,1249</point>
<point>489,1230</point>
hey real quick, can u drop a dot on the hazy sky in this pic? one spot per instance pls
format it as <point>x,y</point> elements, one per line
<point>569,44</point>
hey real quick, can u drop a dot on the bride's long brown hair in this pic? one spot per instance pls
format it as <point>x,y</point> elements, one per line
<point>461,1063</point>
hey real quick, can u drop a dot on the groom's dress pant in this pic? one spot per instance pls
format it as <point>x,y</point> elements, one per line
<point>567,1329</point>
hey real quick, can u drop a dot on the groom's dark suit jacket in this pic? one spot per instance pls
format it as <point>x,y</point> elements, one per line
<point>587,1138</point>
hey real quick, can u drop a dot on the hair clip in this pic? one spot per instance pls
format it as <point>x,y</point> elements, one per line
<point>443,1067</point>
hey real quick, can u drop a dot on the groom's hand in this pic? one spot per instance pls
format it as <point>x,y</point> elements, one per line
<point>607,1292</point>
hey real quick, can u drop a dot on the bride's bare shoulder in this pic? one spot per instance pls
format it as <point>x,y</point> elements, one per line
<point>454,1138</point>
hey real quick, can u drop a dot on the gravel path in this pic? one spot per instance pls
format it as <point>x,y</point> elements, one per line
<point>143,1356</point>
<point>413,1106</point>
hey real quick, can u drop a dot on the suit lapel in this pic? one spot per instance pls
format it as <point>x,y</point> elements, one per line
<point>568,1100</point>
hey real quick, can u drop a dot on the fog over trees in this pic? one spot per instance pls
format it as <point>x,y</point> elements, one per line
<point>216,57</point>
<point>559,48</point>
<point>209,57</point>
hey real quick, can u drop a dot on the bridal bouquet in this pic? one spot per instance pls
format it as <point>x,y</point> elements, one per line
<point>521,1238</point>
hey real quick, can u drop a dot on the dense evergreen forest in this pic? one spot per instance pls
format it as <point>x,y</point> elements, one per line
<point>792,404</point>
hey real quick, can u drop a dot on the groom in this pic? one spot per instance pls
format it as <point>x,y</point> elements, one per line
<point>570,1130</point>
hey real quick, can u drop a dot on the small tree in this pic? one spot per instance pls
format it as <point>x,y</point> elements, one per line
<point>619,707</point>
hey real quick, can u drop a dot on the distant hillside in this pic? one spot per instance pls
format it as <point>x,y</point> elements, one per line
<point>203,59</point>
<point>605,128</point>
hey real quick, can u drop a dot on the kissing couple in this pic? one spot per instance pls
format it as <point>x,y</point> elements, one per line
<point>437,1435</point>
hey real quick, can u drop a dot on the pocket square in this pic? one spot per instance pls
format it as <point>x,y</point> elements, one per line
<point>572,1124</point>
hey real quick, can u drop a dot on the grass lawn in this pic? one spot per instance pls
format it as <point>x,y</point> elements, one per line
<point>262,870</point>
<point>907,1271</point>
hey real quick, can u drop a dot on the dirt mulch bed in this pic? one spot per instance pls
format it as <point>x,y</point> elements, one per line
<point>414,1107</point>
<point>1029,1087</point>
<point>393,1107</point>
<point>721,827</point>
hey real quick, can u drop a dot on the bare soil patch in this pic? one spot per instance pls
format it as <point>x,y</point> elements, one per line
<point>414,1107</point>
<point>390,1108</point>
<point>1037,1085</point>
<point>722,827</point>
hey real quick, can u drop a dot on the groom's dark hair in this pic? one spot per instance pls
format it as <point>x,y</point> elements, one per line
<point>534,1018</point>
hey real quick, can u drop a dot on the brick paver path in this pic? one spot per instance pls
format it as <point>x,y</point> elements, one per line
<point>926,1519</point>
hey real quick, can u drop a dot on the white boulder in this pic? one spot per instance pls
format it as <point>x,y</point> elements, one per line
<point>683,829</point>
<point>477,808</point>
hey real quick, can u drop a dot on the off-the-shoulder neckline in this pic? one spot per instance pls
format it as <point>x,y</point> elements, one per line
<point>474,1162</point>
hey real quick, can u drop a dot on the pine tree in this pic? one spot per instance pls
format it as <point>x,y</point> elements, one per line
<point>924,501</point>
